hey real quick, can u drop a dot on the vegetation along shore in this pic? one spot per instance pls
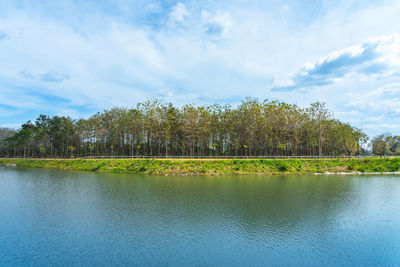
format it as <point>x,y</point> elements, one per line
<point>151,129</point>
<point>253,128</point>
<point>217,166</point>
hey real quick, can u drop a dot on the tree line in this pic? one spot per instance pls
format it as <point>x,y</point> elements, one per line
<point>253,128</point>
<point>386,145</point>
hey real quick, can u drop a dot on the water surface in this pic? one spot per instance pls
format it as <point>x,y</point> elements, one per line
<point>52,217</point>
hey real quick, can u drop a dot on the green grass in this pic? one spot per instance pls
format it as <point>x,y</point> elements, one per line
<point>214,166</point>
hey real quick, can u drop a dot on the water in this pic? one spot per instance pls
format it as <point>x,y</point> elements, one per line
<point>50,217</point>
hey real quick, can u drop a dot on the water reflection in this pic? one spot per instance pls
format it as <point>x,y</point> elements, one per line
<point>76,218</point>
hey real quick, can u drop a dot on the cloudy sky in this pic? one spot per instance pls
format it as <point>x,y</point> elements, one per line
<point>78,57</point>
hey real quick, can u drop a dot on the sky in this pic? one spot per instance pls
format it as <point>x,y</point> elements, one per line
<point>77,57</point>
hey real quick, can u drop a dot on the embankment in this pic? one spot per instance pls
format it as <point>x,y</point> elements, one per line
<point>217,166</point>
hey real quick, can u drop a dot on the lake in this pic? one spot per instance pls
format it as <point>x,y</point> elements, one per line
<point>56,217</point>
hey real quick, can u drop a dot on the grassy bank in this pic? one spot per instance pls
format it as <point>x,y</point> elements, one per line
<point>214,166</point>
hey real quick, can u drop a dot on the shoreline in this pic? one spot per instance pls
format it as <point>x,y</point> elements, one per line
<point>216,167</point>
<point>359,173</point>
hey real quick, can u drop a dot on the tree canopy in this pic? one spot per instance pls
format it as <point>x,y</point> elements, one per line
<point>386,145</point>
<point>253,128</point>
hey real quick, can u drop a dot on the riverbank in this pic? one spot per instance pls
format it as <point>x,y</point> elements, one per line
<point>217,166</point>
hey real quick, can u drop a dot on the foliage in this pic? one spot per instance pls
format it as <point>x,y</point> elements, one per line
<point>386,145</point>
<point>253,128</point>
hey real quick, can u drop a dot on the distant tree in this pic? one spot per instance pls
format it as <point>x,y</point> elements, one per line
<point>379,145</point>
<point>386,144</point>
<point>319,119</point>
<point>72,150</point>
<point>5,133</point>
<point>253,128</point>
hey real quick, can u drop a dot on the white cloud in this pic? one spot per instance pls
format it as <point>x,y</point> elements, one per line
<point>10,125</point>
<point>384,99</point>
<point>117,53</point>
<point>217,25</point>
<point>50,76</point>
<point>386,90</point>
<point>376,56</point>
<point>178,13</point>
<point>382,127</point>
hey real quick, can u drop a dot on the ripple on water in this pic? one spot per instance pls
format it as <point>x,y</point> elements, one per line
<point>50,217</point>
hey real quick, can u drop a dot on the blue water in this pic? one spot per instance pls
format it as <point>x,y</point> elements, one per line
<point>50,217</point>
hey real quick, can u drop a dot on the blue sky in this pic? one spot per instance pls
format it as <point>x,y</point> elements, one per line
<point>78,57</point>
